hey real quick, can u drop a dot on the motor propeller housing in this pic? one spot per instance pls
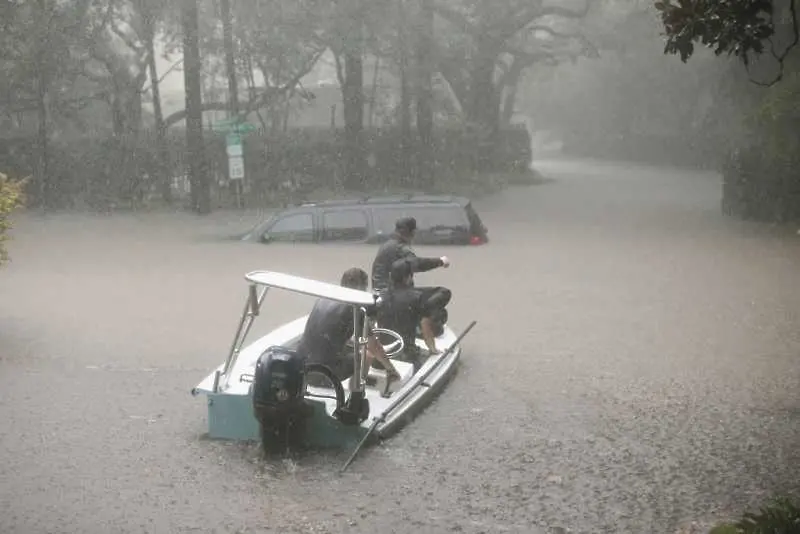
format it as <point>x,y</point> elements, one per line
<point>278,398</point>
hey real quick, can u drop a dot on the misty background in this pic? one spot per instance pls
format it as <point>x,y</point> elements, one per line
<point>441,96</point>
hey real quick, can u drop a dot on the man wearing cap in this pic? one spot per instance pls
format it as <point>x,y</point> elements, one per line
<point>396,248</point>
<point>412,312</point>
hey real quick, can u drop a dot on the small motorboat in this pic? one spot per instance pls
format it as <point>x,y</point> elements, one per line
<point>261,391</point>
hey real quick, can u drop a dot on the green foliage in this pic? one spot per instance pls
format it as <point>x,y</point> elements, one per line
<point>279,38</point>
<point>76,65</point>
<point>781,516</point>
<point>782,102</point>
<point>46,43</point>
<point>485,46</point>
<point>778,517</point>
<point>761,183</point>
<point>316,156</point>
<point>11,197</point>
<point>736,26</point>
<point>742,28</point>
<point>776,119</point>
<point>101,171</point>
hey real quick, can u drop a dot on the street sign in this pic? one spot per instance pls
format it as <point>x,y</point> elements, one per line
<point>233,144</point>
<point>245,127</point>
<point>233,130</point>
<point>236,167</point>
<point>229,126</point>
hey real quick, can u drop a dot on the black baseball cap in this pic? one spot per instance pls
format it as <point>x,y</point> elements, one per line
<point>408,224</point>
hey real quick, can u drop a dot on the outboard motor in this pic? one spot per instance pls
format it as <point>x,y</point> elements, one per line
<point>278,398</point>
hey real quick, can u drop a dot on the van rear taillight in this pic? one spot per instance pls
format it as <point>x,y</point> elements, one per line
<point>476,240</point>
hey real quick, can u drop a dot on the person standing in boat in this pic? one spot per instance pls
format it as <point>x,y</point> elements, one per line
<point>399,247</point>
<point>329,330</point>
<point>412,312</point>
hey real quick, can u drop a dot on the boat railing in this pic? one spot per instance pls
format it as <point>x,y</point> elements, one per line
<point>259,284</point>
<point>252,308</point>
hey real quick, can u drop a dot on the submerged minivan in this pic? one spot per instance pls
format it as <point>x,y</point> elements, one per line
<point>441,220</point>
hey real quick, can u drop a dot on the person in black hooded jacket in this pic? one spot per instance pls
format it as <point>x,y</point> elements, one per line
<point>398,247</point>
<point>413,312</point>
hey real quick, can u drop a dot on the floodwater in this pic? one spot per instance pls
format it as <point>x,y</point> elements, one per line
<point>635,369</point>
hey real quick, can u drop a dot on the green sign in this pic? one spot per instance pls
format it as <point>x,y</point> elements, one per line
<point>233,139</point>
<point>230,126</point>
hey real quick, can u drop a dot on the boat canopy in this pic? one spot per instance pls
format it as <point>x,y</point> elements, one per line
<point>315,288</point>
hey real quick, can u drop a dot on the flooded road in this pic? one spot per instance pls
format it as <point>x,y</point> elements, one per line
<point>635,367</point>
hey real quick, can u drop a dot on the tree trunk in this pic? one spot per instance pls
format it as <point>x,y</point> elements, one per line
<point>509,103</point>
<point>233,88</point>
<point>425,160</point>
<point>42,90</point>
<point>406,140</point>
<point>509,99</point>
<point>373,92</point>
<point>43,171</point>
<point>483,112</point>
<point>353,96</point>
<point>117,111</point>
<point>192,64</point>
<point>230,64</point>
<point>454,75</point>
<point>162,156</point>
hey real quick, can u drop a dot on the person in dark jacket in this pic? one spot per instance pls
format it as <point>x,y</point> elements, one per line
<point>397,248</point>
<point>329,329</point>
<point>411,311</point>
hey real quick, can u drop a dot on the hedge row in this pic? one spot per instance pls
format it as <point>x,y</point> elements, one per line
<point>98,170</point>
<point>761,188</point>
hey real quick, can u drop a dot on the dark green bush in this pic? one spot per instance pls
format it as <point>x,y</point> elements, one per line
<point>781,516</point>
<point>11,197</point>
<point>761,188</point>
<point>100,171</point>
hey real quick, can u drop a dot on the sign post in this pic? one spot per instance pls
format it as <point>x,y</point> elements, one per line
<point>233,131</point>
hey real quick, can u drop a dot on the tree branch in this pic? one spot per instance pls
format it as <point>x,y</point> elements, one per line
<point>81,101</point>
<point>455,18</point>
<point>257,103</point>
<point>454,77</point>
<point>339,68</point>
<point>536,13</point>
<point>780,58</point>
<point>126,39</point>
<point>164,75</point>
<point>522,20</point>
<point>553,33</point>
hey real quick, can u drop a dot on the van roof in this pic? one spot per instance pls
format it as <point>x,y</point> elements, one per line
<point>389,200</point>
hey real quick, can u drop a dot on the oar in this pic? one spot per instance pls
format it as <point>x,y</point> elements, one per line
<point>378,419</point>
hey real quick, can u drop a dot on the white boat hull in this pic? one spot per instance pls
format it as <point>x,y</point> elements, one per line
<point>230,413</point>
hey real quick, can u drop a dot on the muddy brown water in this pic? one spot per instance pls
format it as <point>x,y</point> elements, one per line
<point>635,368</point>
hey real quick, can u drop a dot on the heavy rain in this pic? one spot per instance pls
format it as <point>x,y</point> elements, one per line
<point>633,271</point>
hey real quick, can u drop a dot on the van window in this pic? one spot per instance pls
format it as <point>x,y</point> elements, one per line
<point>429,218</point>
<point>295,227</point>
<point>344,225</point>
